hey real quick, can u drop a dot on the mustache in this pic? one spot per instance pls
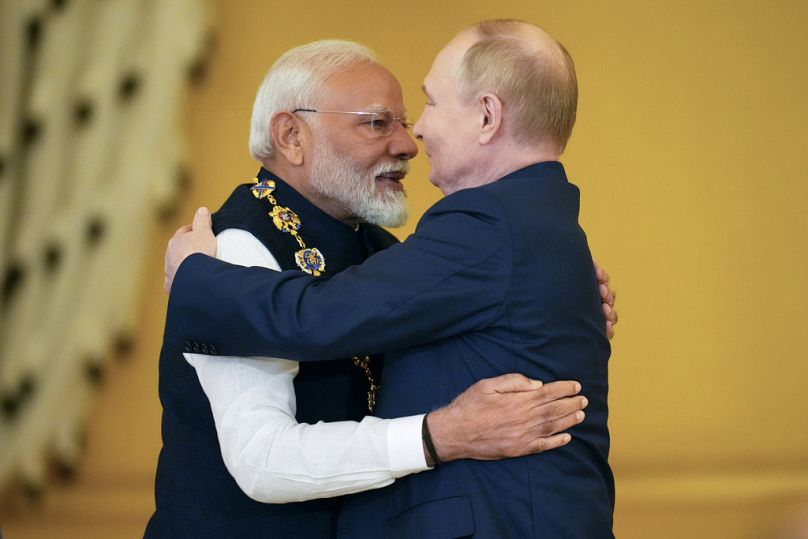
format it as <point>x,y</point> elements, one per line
<point>399,166</point>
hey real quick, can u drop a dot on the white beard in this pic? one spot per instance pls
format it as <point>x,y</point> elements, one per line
<point>336,178</point>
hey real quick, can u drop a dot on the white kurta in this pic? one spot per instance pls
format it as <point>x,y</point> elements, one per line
<point>272,457</point>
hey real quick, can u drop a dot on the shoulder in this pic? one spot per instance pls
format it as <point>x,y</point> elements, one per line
<point>470,211</point>
<point>535,195</point>
<point>237,211</point>
<point>477,200</point>
<point>470,224</point>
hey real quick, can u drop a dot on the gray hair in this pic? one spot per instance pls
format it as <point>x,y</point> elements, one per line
<point>296,80</point>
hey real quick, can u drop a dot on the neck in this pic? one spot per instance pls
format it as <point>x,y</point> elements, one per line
<point>495,161</point>
<point>298,178</point>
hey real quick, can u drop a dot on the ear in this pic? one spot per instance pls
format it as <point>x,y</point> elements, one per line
<point>490,108</point>
<point>287,139</point>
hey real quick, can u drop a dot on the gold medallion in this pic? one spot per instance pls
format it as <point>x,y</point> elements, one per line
<point>262,188</point>
<point>285,219</point>
<point>308,259</point>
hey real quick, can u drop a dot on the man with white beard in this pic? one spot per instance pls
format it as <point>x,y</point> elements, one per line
<point>330,130</point>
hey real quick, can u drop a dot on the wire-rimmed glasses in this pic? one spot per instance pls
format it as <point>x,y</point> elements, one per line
<point>381,123</point>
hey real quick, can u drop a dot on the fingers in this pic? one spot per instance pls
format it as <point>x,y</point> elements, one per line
<point>499,417</point>
<point>556,390</point>
<point>603,277</point>
<point>167,270</point>
<point>539,445</point>
<point>202,219</point>
<point>509,383</point>
<point>551,435</point>
<point>607,297</point>
<point>606,294</point>
<point>183,229</point>
<point>611,319</point>
<point>169,275</point>
<point>561,425</point>
<point>549,416</point>
<point>610,313</point>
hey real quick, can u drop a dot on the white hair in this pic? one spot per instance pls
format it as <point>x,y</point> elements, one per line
<point>296,80</point>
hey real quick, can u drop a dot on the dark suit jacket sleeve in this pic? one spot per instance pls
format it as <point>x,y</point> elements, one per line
<point>449,277</point>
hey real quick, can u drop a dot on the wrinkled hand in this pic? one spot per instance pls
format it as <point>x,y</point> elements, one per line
<point>607,297</point>
<point>507,416</point>
<point>187,240</point>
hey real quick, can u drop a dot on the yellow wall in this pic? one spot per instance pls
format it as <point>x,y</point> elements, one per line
<point>691,153</point>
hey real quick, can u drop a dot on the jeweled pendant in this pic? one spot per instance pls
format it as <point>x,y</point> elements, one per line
<point>285,219</point>
<point>262,188</point>
<point>310,260</point>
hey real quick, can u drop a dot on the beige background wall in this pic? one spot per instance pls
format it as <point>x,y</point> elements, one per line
<point>690,150</point>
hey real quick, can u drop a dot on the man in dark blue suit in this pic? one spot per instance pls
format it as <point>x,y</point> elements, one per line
<point>497,278</point>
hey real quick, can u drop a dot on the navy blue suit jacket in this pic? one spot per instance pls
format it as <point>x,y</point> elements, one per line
<point>496,279</point>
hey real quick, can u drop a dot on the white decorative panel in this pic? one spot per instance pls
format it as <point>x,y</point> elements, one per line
<point>90,155</point>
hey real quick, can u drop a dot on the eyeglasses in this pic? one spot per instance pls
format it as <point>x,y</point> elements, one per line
<point>379,123</point>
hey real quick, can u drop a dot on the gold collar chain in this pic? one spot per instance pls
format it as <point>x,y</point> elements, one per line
<point>308,259</point>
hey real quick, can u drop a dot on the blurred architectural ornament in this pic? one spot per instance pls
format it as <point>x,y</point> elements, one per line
<point>91,154</point>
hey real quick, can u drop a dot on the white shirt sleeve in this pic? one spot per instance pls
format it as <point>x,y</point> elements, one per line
<point>275,459</point>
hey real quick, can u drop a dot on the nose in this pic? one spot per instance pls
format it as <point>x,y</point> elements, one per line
<point>402,146</point>
<point>416,129</point>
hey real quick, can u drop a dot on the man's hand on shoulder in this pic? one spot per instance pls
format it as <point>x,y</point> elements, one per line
<point>607,297</point>
<point>187,240</point>
<point>507,416</point>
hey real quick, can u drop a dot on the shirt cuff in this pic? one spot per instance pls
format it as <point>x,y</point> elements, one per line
<point>405,448</point>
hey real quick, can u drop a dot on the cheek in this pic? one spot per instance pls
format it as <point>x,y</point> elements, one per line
<point>431,126</point>
<point>362,154</point>
<point>436,126</point>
